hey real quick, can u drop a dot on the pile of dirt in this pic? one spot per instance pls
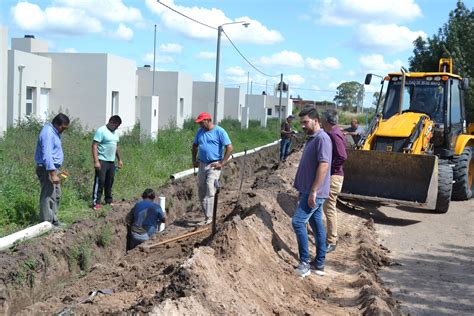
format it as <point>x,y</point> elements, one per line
<point>247,267</point>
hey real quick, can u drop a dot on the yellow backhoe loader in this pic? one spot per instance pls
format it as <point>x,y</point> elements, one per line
<point>418,150</point>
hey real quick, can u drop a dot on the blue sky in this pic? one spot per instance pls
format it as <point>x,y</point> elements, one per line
<point>316,44</point>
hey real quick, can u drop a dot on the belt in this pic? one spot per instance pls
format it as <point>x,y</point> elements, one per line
<point>41,165</point>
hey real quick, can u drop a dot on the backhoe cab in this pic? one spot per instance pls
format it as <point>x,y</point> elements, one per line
<point>417,151</point>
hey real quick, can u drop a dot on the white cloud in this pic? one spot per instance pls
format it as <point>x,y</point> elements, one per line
<point>30,17</point>
<point>206,55</point>
<point>388,37</point>
<point>70,50</point>
<point>255,33</point>
<point>124,33</point>
<point>295,79</point>
<point>329,63</point>
<point>160,59</point>
<point>283,58</point>
<point>108,10</point>
<point>235,71</point>
<point>171,48</point>
<point>376,64</point>
<point>351,12</point>
<point>207,77</point>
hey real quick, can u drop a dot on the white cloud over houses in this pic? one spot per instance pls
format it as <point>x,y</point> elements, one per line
<point>123,32</point>
<point>108,10</point>
<point>235,71</point>
<point>70,50</point>
<point>30,17</point>
<point>351,12</point>
<point>256,32</point>
<point>206,55</point>
<point>389,38</point>
<point>376,64</point>
<point>207,77</point>
<point>283,58</point>
<point>295,80</point>
<point>160,59</point>
<point>171,48</point>
<point>329,63</point>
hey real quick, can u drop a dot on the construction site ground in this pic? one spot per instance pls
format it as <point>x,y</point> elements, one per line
<point>246,268</point>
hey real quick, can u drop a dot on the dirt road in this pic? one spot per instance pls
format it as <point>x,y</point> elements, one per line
<point>434,253</point>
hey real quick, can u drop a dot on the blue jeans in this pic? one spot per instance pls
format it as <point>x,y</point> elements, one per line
<point>284,148</point>
<point>314,216</point>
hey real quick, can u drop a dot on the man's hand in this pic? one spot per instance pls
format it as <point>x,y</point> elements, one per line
<point>97,165</point>
<point>312,199</point>
<point>54,178</point>
<point>216,165</point>
<point>120,164</point>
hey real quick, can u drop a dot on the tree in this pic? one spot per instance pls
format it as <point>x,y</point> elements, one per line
<point>376,98</point>
<point>349,94</point>
<point>455,40</point>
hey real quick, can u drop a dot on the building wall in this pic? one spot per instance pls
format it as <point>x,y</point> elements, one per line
<point>203,99</point>
<point>234,101</point>
<point>37,74</point>
<point>273,102</point>
<point>83,86</point>
<point>121,78</point>
<point>185,98</point>
<point>256,103</point>
<point>3,78</point>
<point>30,45</point>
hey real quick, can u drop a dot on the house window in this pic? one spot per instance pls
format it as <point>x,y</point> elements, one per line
<point>269,111</point>
<point>30,100</point>
<point>115,103</point>
<point>181,107</point>
<point>154,113</point>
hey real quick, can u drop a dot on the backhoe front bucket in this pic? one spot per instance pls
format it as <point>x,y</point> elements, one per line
<point>392,178</point>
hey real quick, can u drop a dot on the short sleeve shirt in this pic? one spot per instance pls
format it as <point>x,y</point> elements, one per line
<point>211,144</point>
<point>317,149</point>
<point>147,214</point>
<point>107,143</point>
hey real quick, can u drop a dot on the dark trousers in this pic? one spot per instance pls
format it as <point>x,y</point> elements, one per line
<point>50,196</point>
<point>103,182</point>
<point>284,148</point>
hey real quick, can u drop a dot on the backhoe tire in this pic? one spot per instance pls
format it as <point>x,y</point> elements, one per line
<point>463,175</point>
<point>445,187</point>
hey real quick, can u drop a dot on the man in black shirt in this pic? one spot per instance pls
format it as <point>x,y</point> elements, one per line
<point>286,135</point>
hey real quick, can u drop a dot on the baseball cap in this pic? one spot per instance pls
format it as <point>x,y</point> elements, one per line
<point>203,116</point>
<point>291,116</point>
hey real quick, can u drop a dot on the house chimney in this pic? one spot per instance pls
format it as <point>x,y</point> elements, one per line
<point>29,36</point>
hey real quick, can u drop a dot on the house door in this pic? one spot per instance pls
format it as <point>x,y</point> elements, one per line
<point>43,104</point>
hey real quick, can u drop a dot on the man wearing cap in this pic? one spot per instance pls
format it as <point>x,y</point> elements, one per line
<point>339,155</point>
<point>209,156</point>
<point>286,133</point>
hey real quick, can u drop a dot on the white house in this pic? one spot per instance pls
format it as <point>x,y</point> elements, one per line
<point>273,106</point>
<point>174,90</point>
<point>257,107</point>
<point>203,99</point>
<point>93,87</point>
<point>3,79</point>
<point>234,101</point>
<point>29,80</point>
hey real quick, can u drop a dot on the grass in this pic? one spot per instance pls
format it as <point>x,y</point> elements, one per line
<point>146,164</point>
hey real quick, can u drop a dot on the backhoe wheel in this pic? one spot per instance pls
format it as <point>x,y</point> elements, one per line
<point>445,187</point>
<point>463,175</point>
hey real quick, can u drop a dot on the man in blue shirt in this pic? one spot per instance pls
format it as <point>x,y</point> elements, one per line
<point>144,219</point>
<point>104,151</point>
<point>49,157</point>
<point>355,131</point>
<point>208,154</point>
<point>312,182</point>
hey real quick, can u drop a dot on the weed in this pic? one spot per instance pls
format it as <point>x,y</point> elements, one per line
<point>80,255</point>
<point>104,236</point>
<point>27,272</point>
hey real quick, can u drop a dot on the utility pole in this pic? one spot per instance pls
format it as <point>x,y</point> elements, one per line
<point>281,88</point>
<point>154,60</point>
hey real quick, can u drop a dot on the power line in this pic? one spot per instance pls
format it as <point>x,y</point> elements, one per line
<point>188,17</point>
<point>248,62</point>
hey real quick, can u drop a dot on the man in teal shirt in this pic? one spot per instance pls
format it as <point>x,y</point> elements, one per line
<point>104,151</point>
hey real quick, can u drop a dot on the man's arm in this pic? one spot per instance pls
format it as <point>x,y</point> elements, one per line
<point>117,154</point>
<point>194,151</point>
<point>323,169</point>
<point>95,155</point>
<point>228,151</point>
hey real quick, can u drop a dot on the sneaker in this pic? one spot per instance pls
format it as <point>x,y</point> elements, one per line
<point>317,270</point>
<point>303,269</point>
<point>97,207</point>
<point>331,248</point>
<point>207,221</point>
<point>58,225</point>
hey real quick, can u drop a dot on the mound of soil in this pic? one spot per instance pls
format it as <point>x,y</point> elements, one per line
<point>247,267</point>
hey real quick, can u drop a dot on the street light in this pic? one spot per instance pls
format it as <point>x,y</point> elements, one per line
<point>20,69</point>
<point>218,57</point>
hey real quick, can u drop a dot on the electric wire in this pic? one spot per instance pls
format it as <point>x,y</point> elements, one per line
<point>188,17</point>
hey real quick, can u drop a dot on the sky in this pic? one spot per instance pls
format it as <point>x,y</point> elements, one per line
<point>315,44</point>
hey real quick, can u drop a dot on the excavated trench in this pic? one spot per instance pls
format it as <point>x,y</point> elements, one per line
<point>247,267</point>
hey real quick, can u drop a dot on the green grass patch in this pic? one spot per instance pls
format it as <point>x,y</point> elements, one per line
<point>146,164</point>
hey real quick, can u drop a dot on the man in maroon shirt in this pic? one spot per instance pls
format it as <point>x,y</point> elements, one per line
<point>339,155</point>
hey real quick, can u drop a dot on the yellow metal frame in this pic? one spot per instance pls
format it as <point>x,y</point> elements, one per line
<point>462,142</point>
